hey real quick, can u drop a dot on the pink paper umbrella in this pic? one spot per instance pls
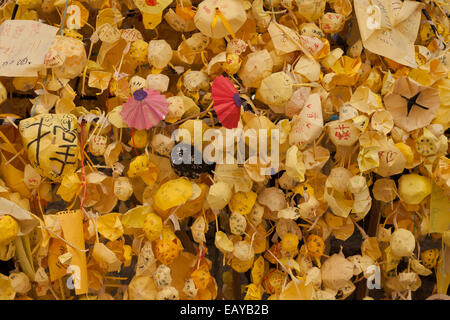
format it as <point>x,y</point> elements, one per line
<point>145,109</point>
<point>227,102</point>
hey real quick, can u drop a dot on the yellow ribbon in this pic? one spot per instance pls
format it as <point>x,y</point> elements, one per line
<point>194,95</point>
<point>156,71</point>
<point>180,80</point>
<point>6,140</point>
<point>5,115</point>
<point>225,22</point>
<point>212,118</point>
<point>210,106</point>
<point>204,60</point>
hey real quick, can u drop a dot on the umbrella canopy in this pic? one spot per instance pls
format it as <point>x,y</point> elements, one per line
<point>159,53</point>
<point>284,38</point>
<point>66,56</point>
<point>412,106</point>
<point>308,124</point>
<point>275,90</point>
<point>218,18</point>
<point>145,109</point>
<point>227,102</point>
<point>255,67</point>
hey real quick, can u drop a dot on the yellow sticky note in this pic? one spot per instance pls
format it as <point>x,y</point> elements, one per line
<point>56,268</point>
<point>72,227</point>
<point>439,210</point>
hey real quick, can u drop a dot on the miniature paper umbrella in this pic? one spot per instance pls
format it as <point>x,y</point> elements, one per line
<point>218,18</point>
<point>412,106</point>
<point>145,109</point>
<point>227,102</point>
<point>308,125</point>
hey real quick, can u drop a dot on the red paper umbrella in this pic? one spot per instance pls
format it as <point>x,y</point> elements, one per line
<point>227,102</point>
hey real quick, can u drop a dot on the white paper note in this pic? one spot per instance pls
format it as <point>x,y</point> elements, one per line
<point>23,45</point>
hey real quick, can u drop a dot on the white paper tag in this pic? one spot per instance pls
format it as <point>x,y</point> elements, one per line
<point>23,45</point>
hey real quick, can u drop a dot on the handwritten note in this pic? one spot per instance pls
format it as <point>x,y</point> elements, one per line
<point>439,210</point>
<point>389,28</point>
<point>308,125</point>
<point>23,45</point>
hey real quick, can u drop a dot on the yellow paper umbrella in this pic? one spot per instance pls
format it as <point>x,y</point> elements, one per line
<point>67,56</point>
<point>172,194</point>
<point>179,23</point>
<point>332,22</point>
<point>99,79</point>
<point>412,106</point>
<point>275,91</point>
<point>159,53</point>
<point>52,144</point>
<point>255,67</point>
<point>311,9</point>
<point>153,226</point>
<point>413,188</point>
<point>151,21</point>
<point>218,18</point>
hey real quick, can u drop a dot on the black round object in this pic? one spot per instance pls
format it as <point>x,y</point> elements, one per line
<point>188,162</point>
<point>6,267</point>
<point>247,106</point>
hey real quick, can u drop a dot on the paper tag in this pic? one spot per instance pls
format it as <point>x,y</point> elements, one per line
<point>72,227</point>
<point>23,45</point>
<point>439,211</point>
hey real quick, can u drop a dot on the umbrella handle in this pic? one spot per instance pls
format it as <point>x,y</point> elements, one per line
<point>219,15</point>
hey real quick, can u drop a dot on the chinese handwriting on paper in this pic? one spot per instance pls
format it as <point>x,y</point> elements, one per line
<point>69,137</point>
<point>39,136</point>
<point>342,132</point>
<point>23,44</point>
<point>51,143</point>
<point>389,156</point>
